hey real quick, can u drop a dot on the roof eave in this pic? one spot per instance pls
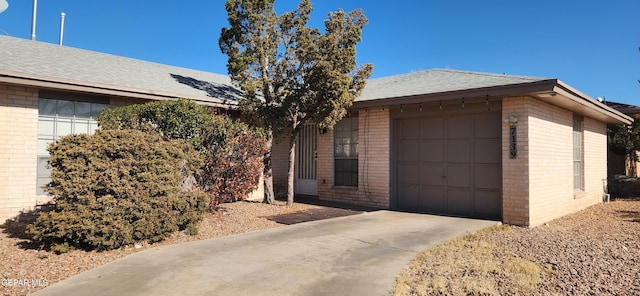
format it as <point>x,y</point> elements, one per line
<point>548,90</point>
<point>96,88</point>
<point>491,92</point>
<point>569,98</point>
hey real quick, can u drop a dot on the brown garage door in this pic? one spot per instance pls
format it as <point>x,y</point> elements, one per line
<point>450,164</point>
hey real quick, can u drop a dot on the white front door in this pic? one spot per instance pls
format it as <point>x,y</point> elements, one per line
<point>306,169</point>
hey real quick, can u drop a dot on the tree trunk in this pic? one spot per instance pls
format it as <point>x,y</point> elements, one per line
<point>291,171</point>
<point>269,196</point>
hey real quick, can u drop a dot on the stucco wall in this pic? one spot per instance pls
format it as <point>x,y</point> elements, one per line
<point>373,163</point>
<point>543,172</point>
<point>18,149</point>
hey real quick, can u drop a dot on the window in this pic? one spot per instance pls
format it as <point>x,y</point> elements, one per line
<point>345,152</point>
<point>57,118</point>
<point>577,153</point>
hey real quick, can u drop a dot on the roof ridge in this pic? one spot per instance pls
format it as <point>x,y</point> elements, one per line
<point>463,72</point>
<point>490,74</point>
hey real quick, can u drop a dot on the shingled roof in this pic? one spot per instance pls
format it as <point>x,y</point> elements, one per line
<point>631,110</point>
<point>43,64</point>
<point>438,81</point>
<point>444,85</point>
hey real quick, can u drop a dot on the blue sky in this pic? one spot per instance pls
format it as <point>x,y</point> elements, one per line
<point>591,45</point>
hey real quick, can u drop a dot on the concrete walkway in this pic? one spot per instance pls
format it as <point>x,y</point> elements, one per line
<point>354,255</point>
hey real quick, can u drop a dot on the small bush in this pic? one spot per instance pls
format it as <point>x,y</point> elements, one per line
<point>115,188</point>
<point>233,166</point>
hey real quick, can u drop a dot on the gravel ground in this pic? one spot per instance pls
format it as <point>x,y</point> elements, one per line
<point>593,252</point>
<point>24,269</point>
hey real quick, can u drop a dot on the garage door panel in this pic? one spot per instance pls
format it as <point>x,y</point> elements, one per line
<point>410,129</point>
<point>459,151</point>
<point>487,177</point>
<point>433,128</point>
<point>409,173</point>
<point>487,126</point>
<point>410,197</point>
<point>433,199</point>
<point>432,175</point>
<point>459,128</point>
<point>488,203</point>
<point>459,176</point>
<point>409,150</point>
<point>432,151</point>
<point>487,151</point>
<point>459,201</point>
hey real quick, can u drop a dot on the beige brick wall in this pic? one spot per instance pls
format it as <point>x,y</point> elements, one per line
<point>18,149</point>
<point>551,161</point>
<point>515,171</point>
<point>373,163</point>
<point>595,162</point>
<point>542,175</point>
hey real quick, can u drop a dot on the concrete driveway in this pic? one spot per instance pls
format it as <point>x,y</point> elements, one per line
<point>354,255</point>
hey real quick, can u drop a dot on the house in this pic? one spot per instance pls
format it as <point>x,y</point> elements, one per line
<point>621,164</point>
<point>48,91</point>
<point>523,150</point>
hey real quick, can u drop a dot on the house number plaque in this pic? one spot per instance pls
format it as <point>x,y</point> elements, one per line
<point>513,142</point>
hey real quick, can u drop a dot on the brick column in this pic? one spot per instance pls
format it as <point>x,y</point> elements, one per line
<point>515,171</point>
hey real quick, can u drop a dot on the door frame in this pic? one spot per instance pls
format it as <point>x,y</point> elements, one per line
<point>306,162</point>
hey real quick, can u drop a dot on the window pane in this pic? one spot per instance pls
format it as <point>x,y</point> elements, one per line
<point>43,174</point>
<point>347,150</point>
<point>46,127</point>
<point>354,150</point>
<point>41,182</point>
<point>65,127</point>
<point>65,108</point>
<point>82,126</point>
<point>43,171</point>
<point>46,107</point>
<point>93,127</point>
<point>42,146</point>
<point>346,173</point>
<point>83,109</point>
<point>96,109</point>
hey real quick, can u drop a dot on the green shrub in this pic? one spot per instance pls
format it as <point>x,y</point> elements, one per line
<point>171,119</point>
<point>233,151</point>
<point>117,187</point>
